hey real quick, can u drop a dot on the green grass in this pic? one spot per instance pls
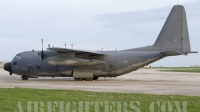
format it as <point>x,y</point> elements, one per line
<point>10,97</point>
<point>178,69</point>
<point>183,69</point>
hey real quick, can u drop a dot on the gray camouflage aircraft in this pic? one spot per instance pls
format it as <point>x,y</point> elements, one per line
<point>173,40</point>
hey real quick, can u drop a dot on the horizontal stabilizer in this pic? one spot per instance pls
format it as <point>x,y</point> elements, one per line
<point>172,53</point>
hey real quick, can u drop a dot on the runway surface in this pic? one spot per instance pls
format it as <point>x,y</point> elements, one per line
<point>149,81</point>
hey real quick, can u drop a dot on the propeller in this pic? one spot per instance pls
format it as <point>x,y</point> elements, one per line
<point>42,52</point>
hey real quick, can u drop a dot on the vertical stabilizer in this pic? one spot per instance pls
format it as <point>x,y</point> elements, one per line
<point>174,34</point>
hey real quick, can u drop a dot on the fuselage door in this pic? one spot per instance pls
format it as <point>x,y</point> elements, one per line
<point>30,69</point>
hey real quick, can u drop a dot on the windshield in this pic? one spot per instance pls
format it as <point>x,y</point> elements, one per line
<point>18,56</point>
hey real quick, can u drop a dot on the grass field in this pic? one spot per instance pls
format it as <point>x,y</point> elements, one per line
<point>18,99</point>
<point>178,69</point>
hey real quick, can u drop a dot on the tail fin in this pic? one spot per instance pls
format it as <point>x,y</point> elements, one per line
<point>174,34</point>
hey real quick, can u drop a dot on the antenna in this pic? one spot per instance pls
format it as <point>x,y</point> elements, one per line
<point>72,46</point>
<point>65,45</point>
<point>49,45</point>
<point>102,49</point>
<point>118,30</point>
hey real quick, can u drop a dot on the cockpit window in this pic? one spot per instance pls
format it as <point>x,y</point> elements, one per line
<point>18,56</point>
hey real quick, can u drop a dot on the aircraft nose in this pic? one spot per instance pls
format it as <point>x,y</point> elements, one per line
<point>8,67</point>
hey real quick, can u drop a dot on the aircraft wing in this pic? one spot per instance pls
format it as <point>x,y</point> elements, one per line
<point>64,50</point>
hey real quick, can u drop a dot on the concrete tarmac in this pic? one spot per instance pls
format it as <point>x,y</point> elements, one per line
<point>148,81</point>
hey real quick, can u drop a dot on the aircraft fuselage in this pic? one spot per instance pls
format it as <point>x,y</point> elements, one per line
<point>116,63</point>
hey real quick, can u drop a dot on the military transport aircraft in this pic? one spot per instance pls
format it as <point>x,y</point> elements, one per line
<point>173,40</point>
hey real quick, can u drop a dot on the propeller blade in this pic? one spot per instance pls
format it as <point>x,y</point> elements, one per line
<point>42,52</point>
<point>42,43</point>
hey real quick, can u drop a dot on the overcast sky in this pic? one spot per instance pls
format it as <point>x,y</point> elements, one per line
<point>24,23</point>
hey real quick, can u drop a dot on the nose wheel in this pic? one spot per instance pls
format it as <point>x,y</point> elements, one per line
<point>24,77</point>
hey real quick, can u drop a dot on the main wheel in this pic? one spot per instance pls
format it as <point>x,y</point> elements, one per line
<point>88,79</point>
<point>78,79</point>
<point>95,78</point>
<point>24,77</point>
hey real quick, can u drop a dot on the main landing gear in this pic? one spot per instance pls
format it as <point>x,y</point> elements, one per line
<point>86,79</point>
<point>24,77</point>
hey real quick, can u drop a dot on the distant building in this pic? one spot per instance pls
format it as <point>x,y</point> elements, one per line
<point>147,66</point>
<point>2,63</point>
<point>196,66</point>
